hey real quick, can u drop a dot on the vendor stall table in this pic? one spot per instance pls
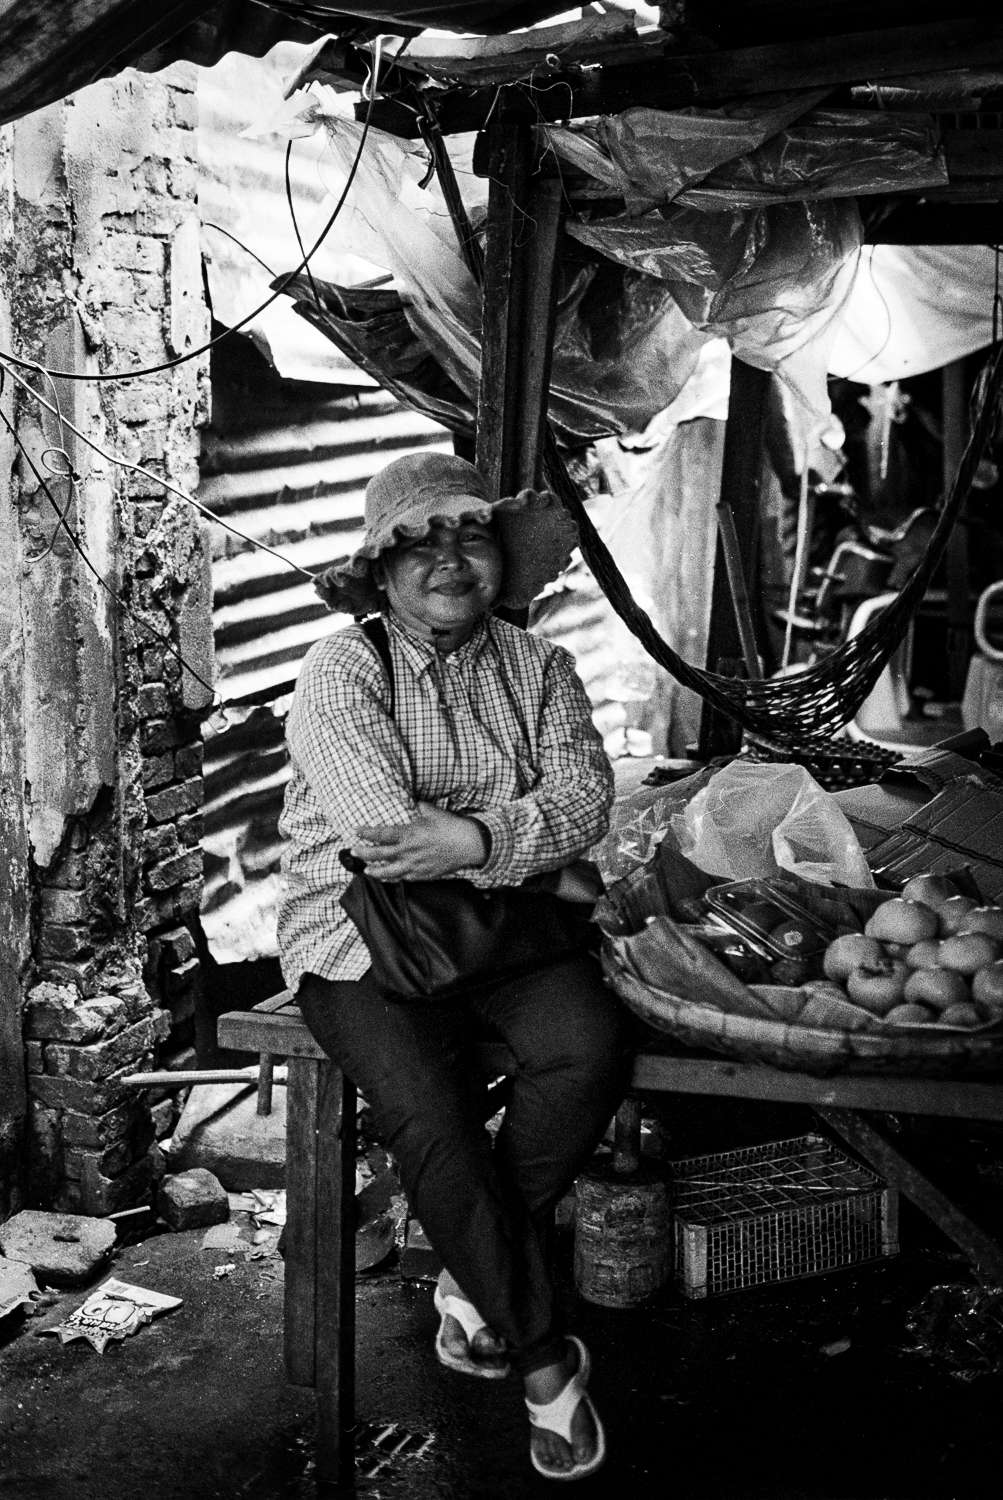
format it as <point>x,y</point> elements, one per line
<point>320,1179</point>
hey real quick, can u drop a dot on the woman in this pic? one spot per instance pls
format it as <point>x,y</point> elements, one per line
<point>478,761</point>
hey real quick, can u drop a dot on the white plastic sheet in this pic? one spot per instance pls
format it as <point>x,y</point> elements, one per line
<point>914,308</point>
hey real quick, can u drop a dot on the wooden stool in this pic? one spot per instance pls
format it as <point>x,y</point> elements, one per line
<point>319,1316</point>
<point>319,1306</point>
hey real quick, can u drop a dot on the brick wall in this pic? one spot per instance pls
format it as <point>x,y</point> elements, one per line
<point>103,271</point>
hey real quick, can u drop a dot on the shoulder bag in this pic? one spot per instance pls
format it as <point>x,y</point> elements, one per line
<point>435,939</point>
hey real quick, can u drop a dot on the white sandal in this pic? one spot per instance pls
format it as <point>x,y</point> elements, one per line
<point>555,1416</point>
<point>448,1305</point>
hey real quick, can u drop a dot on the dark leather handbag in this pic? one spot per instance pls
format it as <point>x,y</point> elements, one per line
<point>434,939</point>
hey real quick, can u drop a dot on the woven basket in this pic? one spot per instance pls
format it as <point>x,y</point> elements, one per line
<point>808,1049</point>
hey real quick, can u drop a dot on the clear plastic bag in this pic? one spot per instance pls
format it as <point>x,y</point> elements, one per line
<point>753,820</point>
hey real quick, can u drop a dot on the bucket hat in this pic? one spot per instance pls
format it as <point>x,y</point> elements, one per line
<point>420,490</point>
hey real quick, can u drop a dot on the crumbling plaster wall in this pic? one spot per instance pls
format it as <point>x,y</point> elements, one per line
<point>100,269</point>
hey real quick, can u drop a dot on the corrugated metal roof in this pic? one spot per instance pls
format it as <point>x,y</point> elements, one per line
<point>288,463</point>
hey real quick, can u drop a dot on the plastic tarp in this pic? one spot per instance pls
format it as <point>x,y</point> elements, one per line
<point>914,308</point>
<point>773,281</point>
<point>650,155</point>
<point>785,149</point>
<point>623,348</point>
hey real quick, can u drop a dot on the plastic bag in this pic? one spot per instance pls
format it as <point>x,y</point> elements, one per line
<point>753,820</point>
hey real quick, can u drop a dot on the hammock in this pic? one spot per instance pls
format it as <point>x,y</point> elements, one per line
<point>813,704</point>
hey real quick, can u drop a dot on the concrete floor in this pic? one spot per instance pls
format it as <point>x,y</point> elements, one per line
<point>730,1399</point>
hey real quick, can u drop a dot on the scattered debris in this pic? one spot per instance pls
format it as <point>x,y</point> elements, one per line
<point>961,1325</point>
<point>269,1208</point>
<point>61,1249</point>
<point>114,1310</point>
<point>419,1261</point>
<point>223,1237</point>
<point>381,1447</point>
<point>221,1271</point>
<point>192,1200</point>
<point>374,1242</point>
<point>838,1346</point>
<point>18,1287</point>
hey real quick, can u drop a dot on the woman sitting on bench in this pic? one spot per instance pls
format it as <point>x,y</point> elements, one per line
<point>441,743</point>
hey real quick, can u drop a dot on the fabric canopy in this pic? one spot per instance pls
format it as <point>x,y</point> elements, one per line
<point>48,51</point>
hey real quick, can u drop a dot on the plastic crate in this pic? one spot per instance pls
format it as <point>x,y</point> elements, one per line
<point>776,1213</point>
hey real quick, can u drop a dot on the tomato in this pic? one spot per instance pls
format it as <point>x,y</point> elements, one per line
<point>987,919</point>
<point>987,986</point>
<point>844,954</point>
<point>910,1015</point>
<point>924,955</point>
<point>932,890</point>
<point>967,952</point>
<point>960,1015</point>
<point>877,989</point>
<point>953,913</point>
<point>899,921</point>
<point>937,987</point>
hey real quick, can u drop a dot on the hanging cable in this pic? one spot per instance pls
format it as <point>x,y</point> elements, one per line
<point>171,364</point>
<point>81,551</point>
<point>124,463</point>
<point>296,227</point>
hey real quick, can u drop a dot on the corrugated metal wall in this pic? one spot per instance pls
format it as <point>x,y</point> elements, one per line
<point>286,462</point>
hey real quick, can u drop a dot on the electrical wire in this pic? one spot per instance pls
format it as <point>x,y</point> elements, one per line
<point>124,463</point>
<point>171,364</point>
<point>81,551</point>
<point>208,224</point>
<point>296,227</point>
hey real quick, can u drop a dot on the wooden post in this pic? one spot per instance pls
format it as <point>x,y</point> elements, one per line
<point>320,1256</point>
<point>509,161</point>
<point>720,735</point>
<point>984,1252</point>
<point>517,324</point>
<point>959,618</point>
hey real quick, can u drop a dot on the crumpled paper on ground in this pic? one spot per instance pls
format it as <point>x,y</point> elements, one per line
<point>114,1310</point>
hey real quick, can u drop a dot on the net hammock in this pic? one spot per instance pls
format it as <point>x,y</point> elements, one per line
<point>809,705</point>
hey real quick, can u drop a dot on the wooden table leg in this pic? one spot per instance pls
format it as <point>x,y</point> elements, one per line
<point>981,1249</point>
<point>320,1256</point>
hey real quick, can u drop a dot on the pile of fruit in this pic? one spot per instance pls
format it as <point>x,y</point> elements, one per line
<point>929,956</point>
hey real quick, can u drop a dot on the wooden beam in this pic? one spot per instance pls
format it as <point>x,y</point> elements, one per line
<point>958,1099</point>
<point>676,80</point>
<point>982,1250</point>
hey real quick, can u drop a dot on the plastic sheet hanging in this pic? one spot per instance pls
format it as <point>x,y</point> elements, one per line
<point>712,160</point>
<point>623,349</point>
<point>651,155</point>
<point>773,280</point>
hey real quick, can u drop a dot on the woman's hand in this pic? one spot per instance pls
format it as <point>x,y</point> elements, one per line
<point>435,843</point>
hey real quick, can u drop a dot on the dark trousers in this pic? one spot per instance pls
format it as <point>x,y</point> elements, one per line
<point>485,1208</point>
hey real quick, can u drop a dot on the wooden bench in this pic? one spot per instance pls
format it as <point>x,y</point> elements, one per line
<point>319,1319</point>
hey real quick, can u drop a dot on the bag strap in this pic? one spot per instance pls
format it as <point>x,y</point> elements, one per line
<point>375,630</point>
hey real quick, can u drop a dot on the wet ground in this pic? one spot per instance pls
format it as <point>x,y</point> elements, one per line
<point>730,1399</point>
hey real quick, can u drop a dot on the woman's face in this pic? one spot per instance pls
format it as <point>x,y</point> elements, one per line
<point>442,583</point>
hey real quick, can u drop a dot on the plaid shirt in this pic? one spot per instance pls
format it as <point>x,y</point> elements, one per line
<point>501,728</point>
